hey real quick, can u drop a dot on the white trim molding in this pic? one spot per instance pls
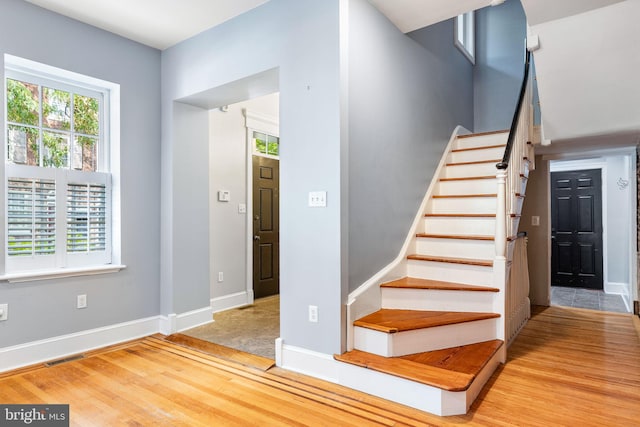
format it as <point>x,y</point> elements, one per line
<point>21,355</point>
<point>227,302</point>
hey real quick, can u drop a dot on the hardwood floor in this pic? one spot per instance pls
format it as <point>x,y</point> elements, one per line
<point>568,367</point>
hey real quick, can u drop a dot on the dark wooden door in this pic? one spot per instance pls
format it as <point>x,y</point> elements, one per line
<point>266,227</point>
<point>576,229</point>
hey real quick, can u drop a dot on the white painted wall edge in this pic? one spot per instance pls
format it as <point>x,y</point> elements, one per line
<point>356,308</point>
<point>48,349</point>
<point>227,302</point>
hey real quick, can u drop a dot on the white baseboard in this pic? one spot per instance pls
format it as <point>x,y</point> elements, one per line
<point>616,288</point>
<point>61,346</point>
<point>65,345</point>
<point>312,363</point>
<point>227,302</point>
<point>181,322</point>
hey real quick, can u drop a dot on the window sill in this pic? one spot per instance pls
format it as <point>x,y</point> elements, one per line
<point>31,276</point>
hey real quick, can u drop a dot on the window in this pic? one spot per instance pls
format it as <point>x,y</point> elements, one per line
<point>464,35</point>
<point>57,169</point>
<point>266,145</point>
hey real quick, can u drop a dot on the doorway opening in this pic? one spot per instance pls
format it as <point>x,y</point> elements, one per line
<point>591,239</point>
<point>244,192</point>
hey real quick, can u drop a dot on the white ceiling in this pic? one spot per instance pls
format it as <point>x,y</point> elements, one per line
<point>156,23</point>
<point>539,11</point>
<point>410,15</point>
<point>164,23</point>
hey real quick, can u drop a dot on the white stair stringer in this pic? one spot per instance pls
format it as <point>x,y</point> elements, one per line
<point>417,395</point>
<point>420,340</point>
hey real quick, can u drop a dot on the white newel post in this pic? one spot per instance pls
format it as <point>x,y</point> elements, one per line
<point>500,262</point>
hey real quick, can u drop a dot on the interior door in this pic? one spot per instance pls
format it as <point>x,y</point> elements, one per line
<point>266,227</point>
<point>576,229</point>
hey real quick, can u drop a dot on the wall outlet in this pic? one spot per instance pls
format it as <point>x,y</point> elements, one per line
<point>81,301</point>
<point>313,313</point>
<point>220,277</point>
<point>4,311</point>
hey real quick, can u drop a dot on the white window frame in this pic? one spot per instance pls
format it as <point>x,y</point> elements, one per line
<point>464,35</point>
<point>63,264</point>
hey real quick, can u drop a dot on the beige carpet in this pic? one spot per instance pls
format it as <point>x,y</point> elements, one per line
<point>253,329</point>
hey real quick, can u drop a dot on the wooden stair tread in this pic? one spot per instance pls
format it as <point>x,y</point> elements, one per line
<point>455,236</point>
<point>436,377</point>
<point>493,132</point>
<point>452,260</point>
<point>461,196</point>
<point>484,147</point>
<point>392,321</point>
<point>467,359</point>
<point>475,162</point>
<point>416,283</point>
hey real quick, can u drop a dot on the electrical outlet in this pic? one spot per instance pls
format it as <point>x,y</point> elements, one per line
<point>220,276</point>
<point>4,311</point>
<point>82,301</point>
<point>313,313</point>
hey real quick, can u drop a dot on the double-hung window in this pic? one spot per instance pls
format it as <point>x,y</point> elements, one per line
<point>57,173</point>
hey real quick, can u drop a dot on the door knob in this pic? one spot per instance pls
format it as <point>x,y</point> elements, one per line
<point>256,238</point>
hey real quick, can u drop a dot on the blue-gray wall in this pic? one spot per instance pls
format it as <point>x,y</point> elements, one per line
<point>44,309</point>
<point>497,75</point>
<point>406,96</point>
<point>301,39</point>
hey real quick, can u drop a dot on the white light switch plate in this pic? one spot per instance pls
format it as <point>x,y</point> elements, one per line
<point>318,199</point>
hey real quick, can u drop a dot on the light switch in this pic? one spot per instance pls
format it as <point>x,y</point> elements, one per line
<point>224,195</point>
<point>242,208</point>
<point>318,199</point>
<point>535,221</point>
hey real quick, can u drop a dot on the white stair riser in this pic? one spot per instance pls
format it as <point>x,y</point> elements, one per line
<point>463,205</point>
<point>449,272</point>
<point>467,171</point>
<point>471,186</point>
<point>461,248</point>
<point>476,155</point>
<point>416,395</point>
<point>427,339</point>
<point>454,225</point>
<point>481,141</point>
<point>406,392</point>
<point>439,300</point>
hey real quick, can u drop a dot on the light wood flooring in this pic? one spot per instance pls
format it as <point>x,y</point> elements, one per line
<point>568,367</point>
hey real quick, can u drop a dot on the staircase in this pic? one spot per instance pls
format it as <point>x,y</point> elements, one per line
<point>439,332</point>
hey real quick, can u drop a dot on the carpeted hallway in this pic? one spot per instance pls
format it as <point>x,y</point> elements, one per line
<point>252,329</point>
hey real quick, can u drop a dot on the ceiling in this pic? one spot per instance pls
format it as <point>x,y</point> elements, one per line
<point>140,20</point>
<point>156,23</point>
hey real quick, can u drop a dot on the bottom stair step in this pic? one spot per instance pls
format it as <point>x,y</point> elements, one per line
<point>451,369</point>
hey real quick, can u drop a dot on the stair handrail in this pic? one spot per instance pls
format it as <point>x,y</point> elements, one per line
<point>516,115</point>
